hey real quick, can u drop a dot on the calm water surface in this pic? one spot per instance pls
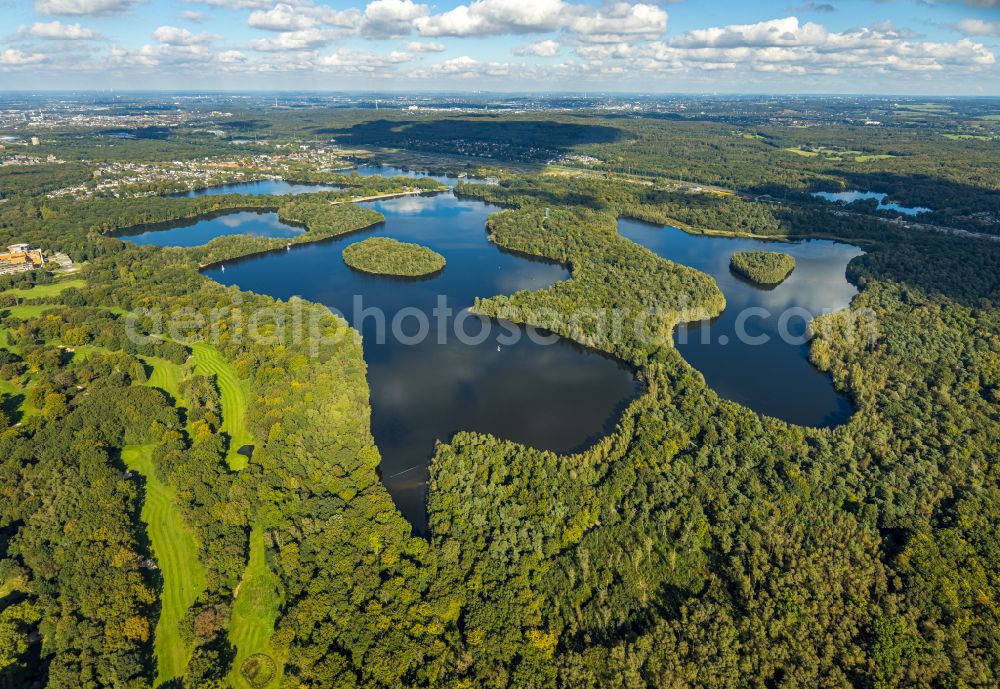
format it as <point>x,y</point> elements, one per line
<point>773,377</point>
<point>392,171</point>
<point>559,396</point>
<point>196,232</point>
<point>852,196</point>
<point>277,187</point>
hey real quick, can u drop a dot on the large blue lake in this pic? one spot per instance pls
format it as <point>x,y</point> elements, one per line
<point>539,390</point>
<point>542,391</point>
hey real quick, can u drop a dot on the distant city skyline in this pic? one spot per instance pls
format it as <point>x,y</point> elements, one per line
<point>799,46</point>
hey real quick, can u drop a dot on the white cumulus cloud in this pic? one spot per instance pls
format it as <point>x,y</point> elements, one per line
<point>463,67</point>
<point>85,7</point>
<point>234,4</point>
<point>18,58</point>
<point>978,27</point>
<point>281,17</point>
<point>57,31</point>
<point>308,39</point>
<point>174,35</point>
<point>612,21</point>
<point>546,48</point>
<point>787,46</point>
<point>231,56</point>
<point>618,21</point>
<point>391,18</point>
<point>304,16</point>
<point>425,47</point>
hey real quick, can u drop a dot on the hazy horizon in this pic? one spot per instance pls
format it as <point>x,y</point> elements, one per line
<point>832,47</point>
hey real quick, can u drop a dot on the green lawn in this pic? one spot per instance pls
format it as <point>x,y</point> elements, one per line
<point>21,408</point>
<point>255,612</point>
<point>176,553</point>
<point>858,156</point>
<point>29,311</point>
<point>802,152</point>
<point>235,397</point>
<point>45,291</point>
<point>166,375</point>
<point>957,137</point>
<point>257,601</point>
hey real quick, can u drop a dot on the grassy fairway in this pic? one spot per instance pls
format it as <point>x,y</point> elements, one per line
<point>17,406</point>
<point>177,556</point>
<point>255,612</point>
<point>235,396</point>
<point>45,291</point>
<point>30,310</point>
<point>166,375</point>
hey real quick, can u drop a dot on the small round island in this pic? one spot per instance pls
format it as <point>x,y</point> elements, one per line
<point>385,256</point>
<point>762,267</point>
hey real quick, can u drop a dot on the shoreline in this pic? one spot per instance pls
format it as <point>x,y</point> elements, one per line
<point>391,195</point>
<point>286,245</point>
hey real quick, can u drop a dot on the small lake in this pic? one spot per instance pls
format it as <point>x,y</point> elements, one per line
<point>277,187</point>
<point>556,396</point>
<point>772,377</point>
<point>198,231</point>
<point>392,171</point>
<point>852,196</point>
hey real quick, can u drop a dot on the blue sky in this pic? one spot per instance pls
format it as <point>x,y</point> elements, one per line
<point>805,46</point>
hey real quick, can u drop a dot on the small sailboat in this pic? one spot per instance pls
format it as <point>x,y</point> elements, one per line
<point>223,266</point>
<point>498,348</point>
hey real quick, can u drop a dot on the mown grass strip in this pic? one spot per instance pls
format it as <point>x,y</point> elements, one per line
<point>176,552</point>
<point>44,291</point>
<point>235,396</point>
<point>255,612</point>
<point>166,375</point>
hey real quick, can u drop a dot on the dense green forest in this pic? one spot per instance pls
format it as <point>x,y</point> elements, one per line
<point>762,267</point>
<point>782,162</point>
<point>698,545</point>
<point>387,256</point>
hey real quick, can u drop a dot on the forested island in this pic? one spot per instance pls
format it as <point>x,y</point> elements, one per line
<point>387,256</point>
<point>762,267</point>
<point>699,544</point>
